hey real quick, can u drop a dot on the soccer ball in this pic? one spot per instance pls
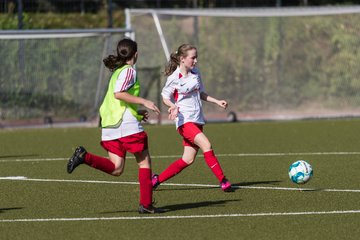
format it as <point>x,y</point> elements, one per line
<point>300,172</point>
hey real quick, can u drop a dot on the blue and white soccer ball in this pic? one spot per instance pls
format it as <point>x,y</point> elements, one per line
<point>300,172</point>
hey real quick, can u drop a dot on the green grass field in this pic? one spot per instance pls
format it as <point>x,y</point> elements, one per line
<point>45,202</point>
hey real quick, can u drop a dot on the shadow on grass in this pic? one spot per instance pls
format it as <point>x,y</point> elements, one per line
<point>183,188</point>
<point>120,211</point>
<point>182,206</point>
<point>9,209</point>
<point>235,186</point>
<point>185,206</point>
<point>312,190</point>
<point>255,183</point>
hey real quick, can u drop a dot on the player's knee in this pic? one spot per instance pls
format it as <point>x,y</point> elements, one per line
<point>206,147</point>
<point>119,169</point>
<point>117,172</point>
<point>189,161</point>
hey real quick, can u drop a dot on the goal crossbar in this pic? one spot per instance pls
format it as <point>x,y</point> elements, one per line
<point>59,33</point>
<point>253,12</point>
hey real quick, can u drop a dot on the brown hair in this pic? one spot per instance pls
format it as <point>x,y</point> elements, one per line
<point>125,50</point>
<point>174,61</point>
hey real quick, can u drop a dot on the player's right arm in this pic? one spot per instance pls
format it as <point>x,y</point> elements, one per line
<point>167,96</point>
<point>125,81</point>
<point>127,97</point>
<point>173,109</point>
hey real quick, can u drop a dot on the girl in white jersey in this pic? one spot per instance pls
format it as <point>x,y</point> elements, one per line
<point>120,122</point>
<point>183,93</point>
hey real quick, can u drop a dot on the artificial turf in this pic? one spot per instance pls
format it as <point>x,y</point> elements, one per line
<point>49,203</point>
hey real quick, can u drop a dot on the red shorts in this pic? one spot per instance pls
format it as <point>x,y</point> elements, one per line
<point>189,131</point>
<point>134,143</point>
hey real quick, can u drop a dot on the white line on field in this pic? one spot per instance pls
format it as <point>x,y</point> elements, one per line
<point>180,217</point>
<point>22,178</point>
<point>219,155</point>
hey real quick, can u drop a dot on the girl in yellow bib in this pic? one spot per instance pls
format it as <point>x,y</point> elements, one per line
<point>120,123</point>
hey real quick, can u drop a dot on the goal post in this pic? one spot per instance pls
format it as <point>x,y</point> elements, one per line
<point>54,76</point>
<point>269,63</point>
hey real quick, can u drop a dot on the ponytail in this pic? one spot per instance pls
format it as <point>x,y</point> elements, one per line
<point>126,50</point>
<point>173,63</point>
<point>113,62</point>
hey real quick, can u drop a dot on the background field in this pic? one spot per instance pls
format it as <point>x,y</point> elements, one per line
<point>88,204</point>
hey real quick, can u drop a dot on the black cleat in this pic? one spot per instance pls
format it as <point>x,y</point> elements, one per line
<point>150,210</point>
<point>76,159</point>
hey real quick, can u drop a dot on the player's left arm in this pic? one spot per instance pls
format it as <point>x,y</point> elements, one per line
<point>221,103</point>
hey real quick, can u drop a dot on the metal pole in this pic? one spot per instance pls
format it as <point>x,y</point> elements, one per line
<point>128,24</point>
<point>82,7</point>
<point>158,88</point>
<point>196,25</point>
<point>161,35</point>
<point>20,14</point>
<point>110,17</point>
<point>107,43</point>
<point>21,50</point>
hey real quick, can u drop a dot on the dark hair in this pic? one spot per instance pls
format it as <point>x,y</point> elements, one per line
<point>125,50</point>
<point>174,61</point>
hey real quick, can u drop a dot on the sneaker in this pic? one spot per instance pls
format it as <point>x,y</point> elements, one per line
<point>149,210</point>
<point>155,181</point>
<point>225,185</point>
<point>76,159</point>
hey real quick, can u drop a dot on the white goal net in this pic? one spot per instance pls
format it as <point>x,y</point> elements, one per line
<point>272,63</point>
<point>54,76</point>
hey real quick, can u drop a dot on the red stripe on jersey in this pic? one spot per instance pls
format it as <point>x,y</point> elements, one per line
<point>180,75</point>
<point>176,95</point>
<point>124,83</point>
<point>128,77</point>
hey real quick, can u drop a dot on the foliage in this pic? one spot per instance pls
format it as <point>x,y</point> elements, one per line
<point>50,20</point>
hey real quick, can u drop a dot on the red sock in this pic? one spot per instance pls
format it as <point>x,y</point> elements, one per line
<point>145,187</point>
<point>214,164</point>
<point>100,163</point>
<point>172,170</point>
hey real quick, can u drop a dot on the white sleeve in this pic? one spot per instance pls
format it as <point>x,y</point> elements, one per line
<point>202,88</point>
<point>168,89</point>
<point>125,80</point>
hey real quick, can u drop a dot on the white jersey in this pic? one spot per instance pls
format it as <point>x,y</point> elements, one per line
<point>129,125</point>
<point>185,93</point>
